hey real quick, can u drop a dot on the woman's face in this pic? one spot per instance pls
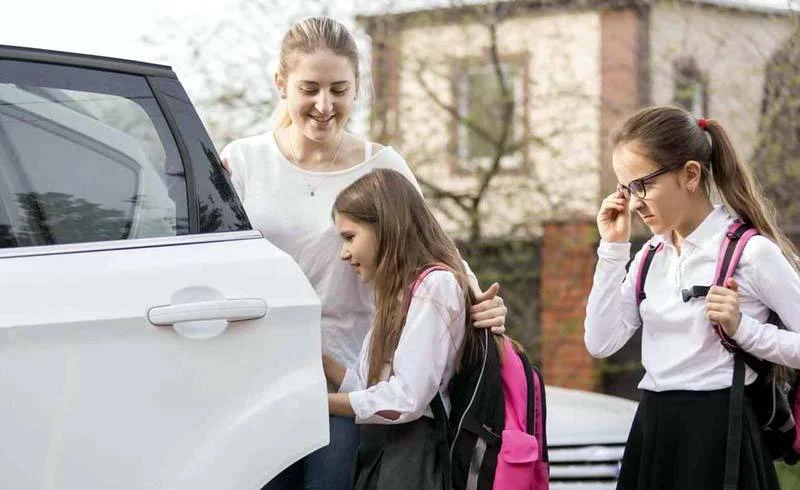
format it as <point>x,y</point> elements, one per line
<point>664,204</point>
<point>320,89</point>
<point>359,245</point>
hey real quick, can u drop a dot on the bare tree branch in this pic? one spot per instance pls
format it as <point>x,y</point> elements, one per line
<point>437,192</point>
<point>450,108</point>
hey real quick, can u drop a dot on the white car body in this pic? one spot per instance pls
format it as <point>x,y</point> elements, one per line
<point>586,434</point>
<point>154,361</point>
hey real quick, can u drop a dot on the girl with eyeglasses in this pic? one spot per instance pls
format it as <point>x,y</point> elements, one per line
<point>668,163</point>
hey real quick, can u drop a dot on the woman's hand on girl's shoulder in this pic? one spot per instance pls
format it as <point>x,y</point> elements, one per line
<point>489,310</point>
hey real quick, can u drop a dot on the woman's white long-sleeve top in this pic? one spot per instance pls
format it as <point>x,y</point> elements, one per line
<point>680,349</point>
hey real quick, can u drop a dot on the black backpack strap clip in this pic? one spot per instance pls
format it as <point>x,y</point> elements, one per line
<point>644,267</point>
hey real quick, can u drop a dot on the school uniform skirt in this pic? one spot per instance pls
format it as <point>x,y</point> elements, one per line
<point>678,442</point>
<point>401,457</point>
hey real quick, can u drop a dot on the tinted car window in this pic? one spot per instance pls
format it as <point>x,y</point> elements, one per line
<point>219,208</point>
<point>83,161</point>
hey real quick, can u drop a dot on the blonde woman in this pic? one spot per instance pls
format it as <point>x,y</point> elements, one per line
<point>288,179</point>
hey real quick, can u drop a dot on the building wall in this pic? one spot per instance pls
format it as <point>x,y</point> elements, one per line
<point>585,70</point>
<point>560,102</point>
<point>568,259</point>
<point>624,79</point>
<point>731,47</point>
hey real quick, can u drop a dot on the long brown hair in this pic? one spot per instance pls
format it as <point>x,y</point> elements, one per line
<point>670,136</point>
<point>409,238</point>
<point>306,36</point>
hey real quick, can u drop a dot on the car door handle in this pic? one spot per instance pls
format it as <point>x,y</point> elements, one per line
<point>232,310</point>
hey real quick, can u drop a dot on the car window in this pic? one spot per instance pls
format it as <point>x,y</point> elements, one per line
<point>219,209</point>
<point>85,156</point>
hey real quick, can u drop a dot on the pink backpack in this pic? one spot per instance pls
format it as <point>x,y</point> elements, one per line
<point>523,461</point>
<point>484,456</point>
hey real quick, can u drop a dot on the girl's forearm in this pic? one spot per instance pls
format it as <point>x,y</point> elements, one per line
<point>339,404</point>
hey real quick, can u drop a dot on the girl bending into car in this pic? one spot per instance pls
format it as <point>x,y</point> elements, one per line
<point>390,238</point>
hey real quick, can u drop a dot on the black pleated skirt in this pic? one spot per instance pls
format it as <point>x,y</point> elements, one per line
<point>400,457</point>
<point>678,442</point>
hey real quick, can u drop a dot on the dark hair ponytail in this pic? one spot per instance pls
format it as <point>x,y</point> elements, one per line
<point>740,190</point>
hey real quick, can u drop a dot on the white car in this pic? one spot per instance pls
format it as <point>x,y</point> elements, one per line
<point>586,434</point>
<point>149,338</point>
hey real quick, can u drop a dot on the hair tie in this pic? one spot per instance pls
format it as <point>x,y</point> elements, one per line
<point>703,123</point>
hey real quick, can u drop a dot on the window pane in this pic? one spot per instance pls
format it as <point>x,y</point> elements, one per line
<point>690,89</point>
<point>481,106</point>
<point>485,110</point>
<point>82,166</point>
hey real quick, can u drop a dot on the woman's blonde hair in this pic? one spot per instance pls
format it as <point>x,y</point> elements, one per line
<point>409,238</point>
<point>307,36</point>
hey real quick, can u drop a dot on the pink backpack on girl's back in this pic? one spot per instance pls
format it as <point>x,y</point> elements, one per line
<point>522,463</point>
<point>496,429</point>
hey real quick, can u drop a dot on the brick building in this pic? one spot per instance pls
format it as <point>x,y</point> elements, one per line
<point>573,70</point>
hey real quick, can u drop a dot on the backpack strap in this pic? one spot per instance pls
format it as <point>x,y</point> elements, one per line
<point>443,433</point>
<point>733,448</point>
<point>537,406</point>
<point>421,277</point>
<point>541,416</point>
<point>730,253</point>
<point>530,426</point>
<point>644,267</point>
<point>437,404</point>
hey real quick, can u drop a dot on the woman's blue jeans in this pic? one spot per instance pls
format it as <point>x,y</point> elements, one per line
<point>328,468</point>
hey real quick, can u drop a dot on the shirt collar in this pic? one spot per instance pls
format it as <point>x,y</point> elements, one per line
<point>705,232</point>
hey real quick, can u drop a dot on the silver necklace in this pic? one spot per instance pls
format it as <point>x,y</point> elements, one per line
<point>312,187</point>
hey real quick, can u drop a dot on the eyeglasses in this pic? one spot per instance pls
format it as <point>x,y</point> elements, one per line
<point>638,188</point>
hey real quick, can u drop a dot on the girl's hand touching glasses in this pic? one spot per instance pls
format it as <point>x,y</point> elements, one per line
<point>614,219</point>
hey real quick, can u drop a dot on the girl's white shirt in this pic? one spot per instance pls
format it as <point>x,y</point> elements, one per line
<point>424,361</point>
<point>680,349</point>
<point>276,196</point>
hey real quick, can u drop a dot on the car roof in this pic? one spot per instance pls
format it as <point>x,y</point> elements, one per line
<point>85,60</point>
